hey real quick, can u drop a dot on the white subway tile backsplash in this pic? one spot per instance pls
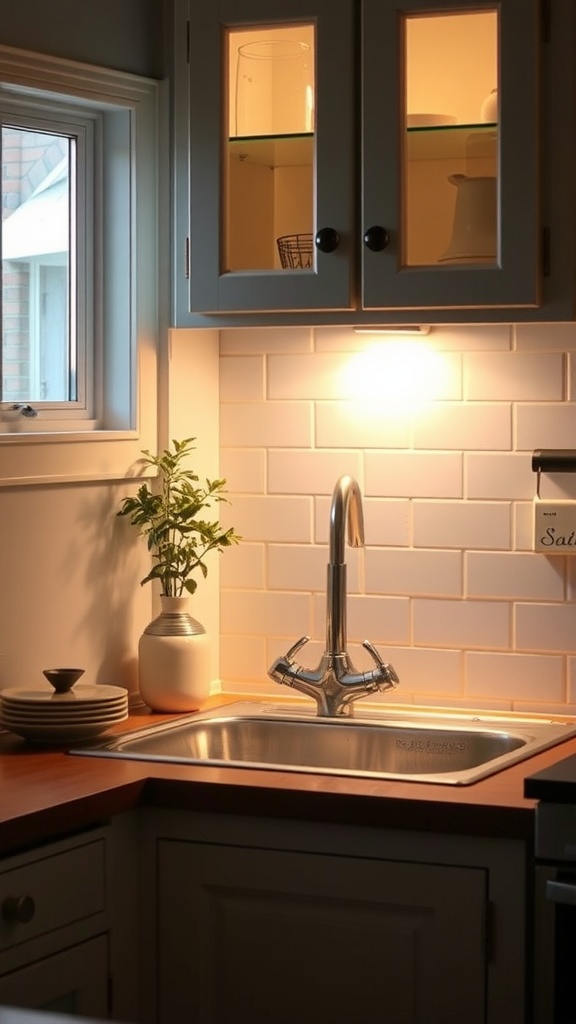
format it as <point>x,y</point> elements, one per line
<point>247,340</point>
<point>425,671</point>
<point>386,521</point>
<point>413,474</point>
<point>571,688</point>
<point>304,567</point>
<point>523,526</point>
<point>514,575</point>
<point>503,475</point>
<point>519,676</point>
<point>360,425</point>
<point>244,469</point>
<point>310,472</point>
<point>242,658</point>
<point>545,337</point>
<point>260,424</point>
<point>307,376</point>
<point>243,566</point>
<point>441,338</point>
<point>510,376</point>
<point>570,575</point>
<point>483,624</point>
<point>471,338</point>
<point>549,425</point>
<point>339,339</point>
<point>242,379</point>
<point>448,586</point>
<point>546,627</point>
<point>462,524</point>
<point>378,619</point>
<point>465,427</point>
<point>269,518</point>
<point>415,573</point>
<point>570,376</point>
<point>254,613</point>
<point>556,486</point>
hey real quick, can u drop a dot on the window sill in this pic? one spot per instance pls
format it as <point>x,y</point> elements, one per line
<point>74,457</point>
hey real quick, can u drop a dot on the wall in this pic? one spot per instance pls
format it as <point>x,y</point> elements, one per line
<point>122,34</point>
<point>71,574</point>
<point>447,586</point>
<point>70,568</point>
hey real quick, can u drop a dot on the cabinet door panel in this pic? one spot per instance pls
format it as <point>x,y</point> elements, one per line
<point>513,277</point>
<point>328,283</point>
<point>254,936</point>
<point>73,981</point>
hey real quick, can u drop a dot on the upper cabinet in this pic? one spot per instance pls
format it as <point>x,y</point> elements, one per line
<point>373,162</point>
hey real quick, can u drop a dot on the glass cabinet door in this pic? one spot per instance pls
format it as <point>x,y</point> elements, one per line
<point>450,182</point>
<point>264,233</point>
<point>270,169</point>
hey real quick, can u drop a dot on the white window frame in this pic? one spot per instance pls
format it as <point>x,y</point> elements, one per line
<point>124,315</point>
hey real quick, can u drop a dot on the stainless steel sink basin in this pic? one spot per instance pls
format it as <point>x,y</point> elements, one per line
<point>412,747</point>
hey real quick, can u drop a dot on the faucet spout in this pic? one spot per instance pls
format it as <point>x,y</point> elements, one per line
<point>335,684</point>
<point>346,510</point>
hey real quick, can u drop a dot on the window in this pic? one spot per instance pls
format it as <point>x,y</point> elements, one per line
<point>79,281</point>
<point>46,183</point>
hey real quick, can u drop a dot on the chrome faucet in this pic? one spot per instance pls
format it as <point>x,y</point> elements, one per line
<point>336,684</point>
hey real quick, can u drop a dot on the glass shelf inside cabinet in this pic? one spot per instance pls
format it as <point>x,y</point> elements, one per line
<point>273,150</point>
<point>449,142</point>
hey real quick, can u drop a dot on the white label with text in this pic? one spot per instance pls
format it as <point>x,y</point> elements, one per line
<point>555,527</point>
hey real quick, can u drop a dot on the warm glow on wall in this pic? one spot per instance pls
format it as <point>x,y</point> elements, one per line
<point>401,374</point>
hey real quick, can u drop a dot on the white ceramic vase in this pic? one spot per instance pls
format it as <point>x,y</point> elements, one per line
<point>174,659</point>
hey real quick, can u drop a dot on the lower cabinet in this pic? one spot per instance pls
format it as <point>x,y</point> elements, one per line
<point>346,926</point>
<point>175,917</point>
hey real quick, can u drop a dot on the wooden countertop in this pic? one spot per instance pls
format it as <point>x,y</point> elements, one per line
<point>46,792</point>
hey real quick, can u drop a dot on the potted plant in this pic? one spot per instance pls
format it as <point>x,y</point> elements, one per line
<point>170,512</point>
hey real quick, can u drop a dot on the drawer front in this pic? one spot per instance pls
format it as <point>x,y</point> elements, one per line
<point>51,892</point>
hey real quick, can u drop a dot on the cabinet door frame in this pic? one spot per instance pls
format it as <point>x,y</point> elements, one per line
<point>514,280</point>
<point>328,284</point>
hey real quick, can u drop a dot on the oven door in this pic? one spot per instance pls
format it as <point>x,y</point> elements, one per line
<point>555,943</point>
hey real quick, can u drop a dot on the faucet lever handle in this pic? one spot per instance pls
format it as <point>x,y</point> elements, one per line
<point>388,671</point>
<point>296,647</point>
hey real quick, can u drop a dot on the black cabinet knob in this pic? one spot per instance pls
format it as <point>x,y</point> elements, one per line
<point>18,908</point>
<point>327,239</point>
<point>376,238</point>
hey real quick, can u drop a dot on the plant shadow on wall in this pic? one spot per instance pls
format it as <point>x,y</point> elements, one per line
<point>174,658</point>
<point>111,573</point>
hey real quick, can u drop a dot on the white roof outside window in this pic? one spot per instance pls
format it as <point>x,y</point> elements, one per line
<point>40,225</point>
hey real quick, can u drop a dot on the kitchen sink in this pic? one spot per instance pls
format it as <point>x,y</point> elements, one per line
<point>435,747</point>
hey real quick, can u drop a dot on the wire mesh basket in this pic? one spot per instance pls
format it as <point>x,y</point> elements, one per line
<point>295,251</point>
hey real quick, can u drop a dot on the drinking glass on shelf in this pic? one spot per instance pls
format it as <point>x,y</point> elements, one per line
<point>274,88</point>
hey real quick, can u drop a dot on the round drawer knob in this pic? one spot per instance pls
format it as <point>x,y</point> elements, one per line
<point>18,908</point>
<point>376,238</point>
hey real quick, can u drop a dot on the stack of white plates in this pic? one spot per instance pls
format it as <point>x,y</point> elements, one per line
<point>47,717</point>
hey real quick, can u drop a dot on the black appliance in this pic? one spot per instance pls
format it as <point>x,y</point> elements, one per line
<point>555,892</point>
